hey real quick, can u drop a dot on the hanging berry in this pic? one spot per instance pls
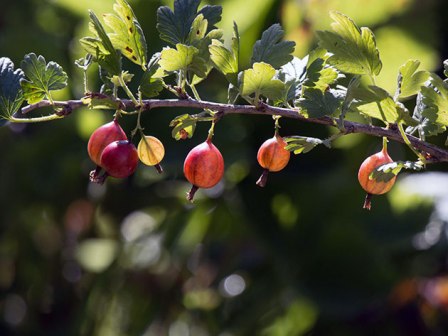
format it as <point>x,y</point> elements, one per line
<point>203,167</point>
<point>370,185</point>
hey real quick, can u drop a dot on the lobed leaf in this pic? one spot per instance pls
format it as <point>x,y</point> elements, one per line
<point>293,74</point>
<point>260,81</point>
<point>11,95</point>
<point>225,60</point>
<point>182,58</point>
<point>202,43</point>
<point>410,80</point>
<point>175,25</point>
<point>127,33</point>
<point>150,84</point>
<point>319,75</point>
<point>271,49</point>
<point>316,103</point>
<point>353,49</point>
<point>101,48</point>
<point>41,78</point>
<point>435,97</point>
<point>388,171</point>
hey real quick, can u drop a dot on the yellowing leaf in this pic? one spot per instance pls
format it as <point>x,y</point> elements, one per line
<point>128,35</point>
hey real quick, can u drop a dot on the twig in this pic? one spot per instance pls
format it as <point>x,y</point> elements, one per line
<point>432,152</point>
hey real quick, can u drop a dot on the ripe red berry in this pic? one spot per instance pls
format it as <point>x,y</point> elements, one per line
<point>372,186</point>
<point>272,156</point>
<point>203,167</point>
<point>119,159</point>
<point>102,137</point>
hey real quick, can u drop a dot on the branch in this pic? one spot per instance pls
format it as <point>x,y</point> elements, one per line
<point>434,153</point>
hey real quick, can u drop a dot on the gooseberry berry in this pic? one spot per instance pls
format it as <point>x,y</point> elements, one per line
<point>119,159</point>
<point>102,137</point>
<point>203,167</point>
<point>151,151</point>
<point>272,156</point>
<point>370,185</point>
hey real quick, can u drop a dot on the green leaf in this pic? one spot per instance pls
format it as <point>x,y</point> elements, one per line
<point>436,100</point>
<point>388,171</point>
<point>182,58</point>
<point>300,144</point>
<point>11,95</point>
<point>353,49</point>
<point>316,103</point>
<point>319,75</point>
<point>150,85</point>
<point>376,102</point>
<point>225,60</point>
<point>271,49</point>
<point>202,60</point>
<point>293,74</point>
<point>128,35</point>
<point>101,48</point>
<point>260,81</point>
<point>41,78</point>
<point>184,126</point>
<point>410,80</point>
<point>175,26</point>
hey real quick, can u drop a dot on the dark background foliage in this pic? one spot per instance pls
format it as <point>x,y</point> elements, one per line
<point>299,257</point>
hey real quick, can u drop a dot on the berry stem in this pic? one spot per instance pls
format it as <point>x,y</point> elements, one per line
<point>159,168</point>
<point>191,193</point>
<point>368,202</point>
<point>263,178</point>
<point>96,177</point>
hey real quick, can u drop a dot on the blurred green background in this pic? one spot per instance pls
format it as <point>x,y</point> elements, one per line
<point>300,257</point>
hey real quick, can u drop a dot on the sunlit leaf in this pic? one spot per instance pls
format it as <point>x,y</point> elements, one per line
<point>301,144</point>
<point>128,35</point>
<point>293,74</point>
<point>410,80</point>
<point>100,47</point>
<point>271,49</point>
<point>435,97</point>
<point>182,58</point>
<point>175,26</point>
<point>41,78</point>
<point>260,81</point>
<point>388,171</point>
<point>376,102</point>
<point>184,126</point>
<point>202,60</point>
<point>353,49</point>
<point>11,96</point>
<point>319,75</point>
<point>225,60</point>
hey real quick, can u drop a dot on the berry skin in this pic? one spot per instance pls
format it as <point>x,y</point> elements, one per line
<point>203,167</point>
<point>273,157</point>
<point>102,137</point>
<point>371,186</point>
<point>119,159</point>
